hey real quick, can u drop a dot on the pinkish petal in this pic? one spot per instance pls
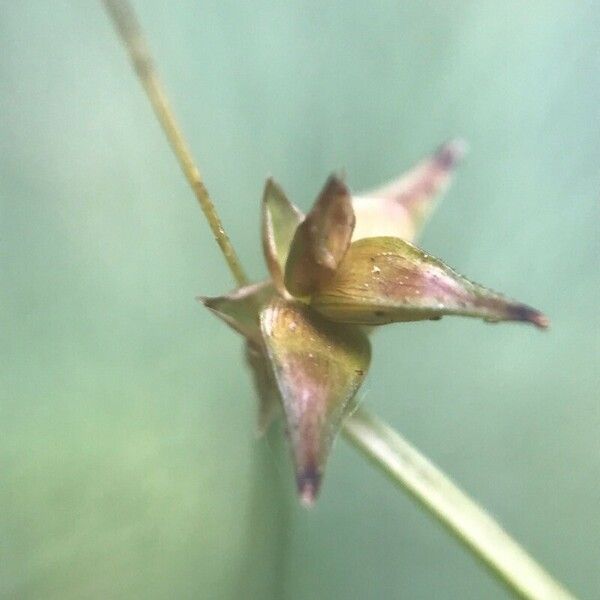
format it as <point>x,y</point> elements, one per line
<point>385,279</point>
<point>401,208</point>
<point>318,366</point>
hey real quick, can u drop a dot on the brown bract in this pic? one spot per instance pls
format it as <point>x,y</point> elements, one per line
<point>347,266</point>
<point>321,240</point>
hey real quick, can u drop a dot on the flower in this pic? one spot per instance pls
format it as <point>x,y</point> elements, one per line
<point>346,266</point>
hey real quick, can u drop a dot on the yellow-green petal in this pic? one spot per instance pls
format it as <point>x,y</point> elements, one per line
<point>385,279</point>
<point>280,218</point>
<point>401,208</point>
<point>321,240</point>
<point>318,366</point>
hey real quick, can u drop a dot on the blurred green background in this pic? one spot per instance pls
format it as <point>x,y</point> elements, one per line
<point>128,462</point>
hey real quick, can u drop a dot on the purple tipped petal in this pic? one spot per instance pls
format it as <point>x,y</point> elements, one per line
<point>401,208</point>
<point>309,484</point>
<point>385,279</point>
<point>318,366</point>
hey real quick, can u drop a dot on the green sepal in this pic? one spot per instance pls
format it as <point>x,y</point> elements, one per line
<point>321,240</point>
<point>280,218</point>
<point>240,308</point>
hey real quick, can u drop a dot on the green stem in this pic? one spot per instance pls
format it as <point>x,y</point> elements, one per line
<point>383,446</point>
<point>465,519</point>
<point>129,29</point>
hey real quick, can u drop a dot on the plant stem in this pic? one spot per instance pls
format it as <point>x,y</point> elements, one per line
<point>130,32</point>
<point>465,519</point>
<point>378,442</point>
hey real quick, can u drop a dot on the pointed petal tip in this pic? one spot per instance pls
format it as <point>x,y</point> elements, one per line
<point>451,152</point>
<point>522,312</point>
<point>269,184</point>
<point>337,180</point>
<point>541,321</point>
<point>208,301</point>
<point>309,483</point>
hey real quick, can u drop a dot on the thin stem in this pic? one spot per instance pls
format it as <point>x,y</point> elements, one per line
<point>465,519</point>
<point>383,446</point>
<point>127,26</point>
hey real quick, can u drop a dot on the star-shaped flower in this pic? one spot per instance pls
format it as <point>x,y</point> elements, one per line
<point>346,266</point>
